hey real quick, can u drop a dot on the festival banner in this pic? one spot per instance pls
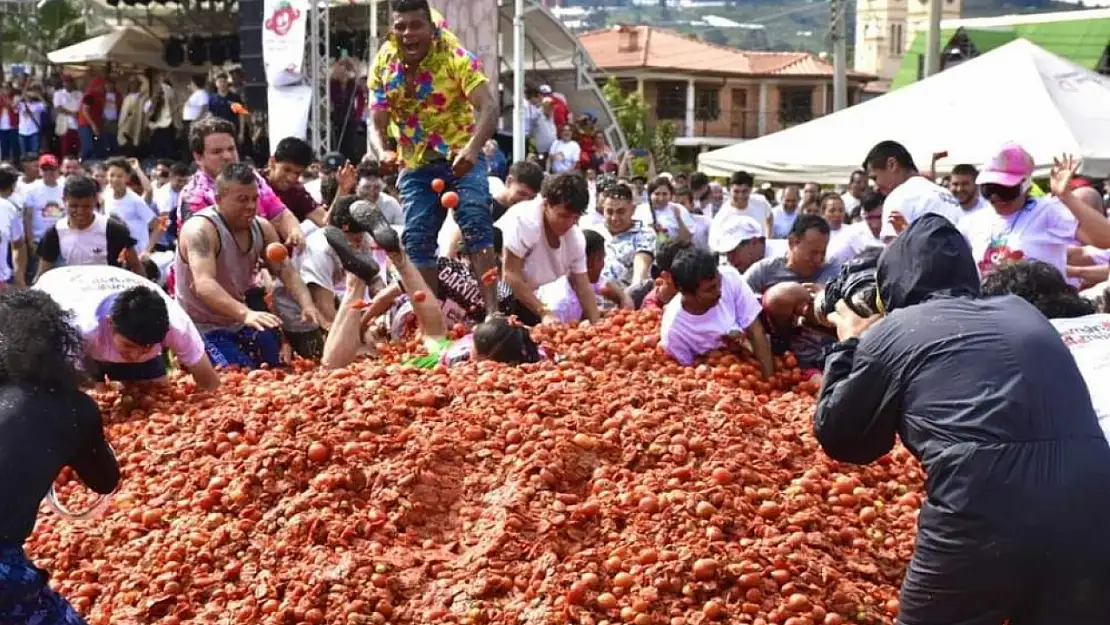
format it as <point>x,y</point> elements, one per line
<point>283,41</point>
<point>294,104</point>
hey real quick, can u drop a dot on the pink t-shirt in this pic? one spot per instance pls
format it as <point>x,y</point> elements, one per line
<point>686,336</point>
<point>1042,230</point>
<point>88,291</point>
<point>200,193</point>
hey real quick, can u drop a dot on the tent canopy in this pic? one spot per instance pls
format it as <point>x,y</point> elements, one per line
<point>549,46</point>
<point>127,45</point>
<point>1017,92</point>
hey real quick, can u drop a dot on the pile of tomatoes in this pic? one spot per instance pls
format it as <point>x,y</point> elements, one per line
<point>607,485</point>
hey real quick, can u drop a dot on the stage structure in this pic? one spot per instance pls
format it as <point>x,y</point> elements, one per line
<point>550,53</point>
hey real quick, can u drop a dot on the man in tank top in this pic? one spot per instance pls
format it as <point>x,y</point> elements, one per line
<point>215,265</point>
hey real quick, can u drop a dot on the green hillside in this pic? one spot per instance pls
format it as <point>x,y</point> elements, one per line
<point>786,24</point>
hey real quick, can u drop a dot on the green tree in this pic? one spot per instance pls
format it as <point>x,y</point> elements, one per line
<point>30,35</point>
<point>662,145</point>
<point>631,112</point>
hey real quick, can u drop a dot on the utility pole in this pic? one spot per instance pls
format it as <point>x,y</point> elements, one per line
<point>838,33</point>
<point>519,103</point>
<point>932,39</point>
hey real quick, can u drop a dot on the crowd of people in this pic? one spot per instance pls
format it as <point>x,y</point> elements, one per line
<point>893,289</point>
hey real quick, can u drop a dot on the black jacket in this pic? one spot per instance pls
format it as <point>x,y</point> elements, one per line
<point>982,391</point>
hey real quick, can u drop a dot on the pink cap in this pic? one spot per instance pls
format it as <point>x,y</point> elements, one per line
<point>1008,168</point>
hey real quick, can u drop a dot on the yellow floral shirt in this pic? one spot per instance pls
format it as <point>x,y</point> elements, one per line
<point>440,119</point>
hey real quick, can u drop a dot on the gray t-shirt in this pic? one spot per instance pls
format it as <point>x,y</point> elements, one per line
<point>771,271</point>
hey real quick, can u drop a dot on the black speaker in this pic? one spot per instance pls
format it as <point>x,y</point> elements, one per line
<point>250,54</point>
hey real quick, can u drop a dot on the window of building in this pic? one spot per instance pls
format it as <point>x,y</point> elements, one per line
<point>796,105</point>
<point>670,100</point>
<point>707,104</point>
<point>897,43</point>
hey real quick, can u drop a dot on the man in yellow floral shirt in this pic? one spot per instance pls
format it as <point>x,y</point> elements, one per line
<point>432,111</point>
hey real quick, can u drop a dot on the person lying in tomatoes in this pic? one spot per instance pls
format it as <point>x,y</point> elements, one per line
<point>498,338</point>
<point>791,325</point>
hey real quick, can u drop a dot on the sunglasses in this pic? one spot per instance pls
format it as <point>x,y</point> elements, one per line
<point>1006,194</point>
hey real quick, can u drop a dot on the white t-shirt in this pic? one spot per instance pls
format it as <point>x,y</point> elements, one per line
<point>564,155</point>
<point>700,231</point>
<point>851,202</point>
<point>559,297</point>
<point>758,208</point>
<point>1088,338</point>
<point>317,265</point>
<point>194,105</point>
<point>595,221</point>
<point>523,234</point>
<point>665,219</point>
<point>686,336</point>
<point>165,199</point>
<point>1042,230</point>
<point>544,133</point>
<point>391,210</point>
<point>44,203</point>
<point>89,291</point>
<point>21,188</point>
<point>70,100</point>
<point>849,240</point>
<point>11,229</point>
<point>314,188</point>
<point>132,211</point>
<point>916,197</point>
<point>29,124</point>
<point>981,203</point>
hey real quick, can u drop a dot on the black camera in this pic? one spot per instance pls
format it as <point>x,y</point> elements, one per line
<point>855,284</point>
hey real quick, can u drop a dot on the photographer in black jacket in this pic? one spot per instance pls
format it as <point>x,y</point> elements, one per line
<point>986,395</point>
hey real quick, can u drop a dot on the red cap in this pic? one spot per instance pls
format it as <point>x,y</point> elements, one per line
<point>48,160</point>
<point>1077,183</point>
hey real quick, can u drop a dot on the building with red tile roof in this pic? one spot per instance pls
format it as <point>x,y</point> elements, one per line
<point>716,94</point>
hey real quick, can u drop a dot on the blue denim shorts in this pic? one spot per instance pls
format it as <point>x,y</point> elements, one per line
<point>424,215</point>
<point>248,348</point>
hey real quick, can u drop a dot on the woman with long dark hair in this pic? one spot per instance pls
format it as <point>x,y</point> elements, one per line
<point>46,423</point>
<point>159,111</point>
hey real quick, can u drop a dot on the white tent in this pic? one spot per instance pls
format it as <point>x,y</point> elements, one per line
<point>127,45</point>
<point>1018,92</point>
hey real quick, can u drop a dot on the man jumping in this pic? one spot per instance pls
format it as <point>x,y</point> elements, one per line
<point>426,93</point>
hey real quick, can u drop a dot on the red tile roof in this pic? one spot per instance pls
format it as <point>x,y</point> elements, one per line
<point>647,47</point>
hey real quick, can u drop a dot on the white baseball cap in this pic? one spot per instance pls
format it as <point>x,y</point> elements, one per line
<point>734,231</point>
<point>545,89</point>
